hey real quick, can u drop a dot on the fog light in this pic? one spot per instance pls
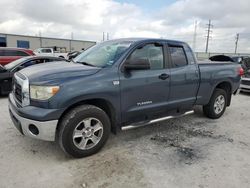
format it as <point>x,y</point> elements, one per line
<point>33,129</point>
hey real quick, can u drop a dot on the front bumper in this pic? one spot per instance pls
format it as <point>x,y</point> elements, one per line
<point>44,130</point>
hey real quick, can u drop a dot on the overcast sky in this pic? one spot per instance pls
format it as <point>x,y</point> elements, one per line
<point>172,19</point>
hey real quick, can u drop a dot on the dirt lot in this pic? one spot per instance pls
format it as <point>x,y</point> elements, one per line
<point>191,151</point>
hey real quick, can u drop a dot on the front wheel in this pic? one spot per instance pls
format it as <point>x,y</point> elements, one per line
<point>217,104</point>
<point>83,131</point>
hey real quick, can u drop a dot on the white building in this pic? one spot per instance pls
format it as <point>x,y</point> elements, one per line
<point>34,42</point>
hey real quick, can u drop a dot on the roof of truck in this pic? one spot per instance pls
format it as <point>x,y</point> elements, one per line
<point>147,39</point>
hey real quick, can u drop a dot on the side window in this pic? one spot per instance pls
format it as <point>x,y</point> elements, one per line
<point>53,59</point>
<point>14,53</point>
<point>152,53</point>
<point>46,51</point>
<point>33,62</point>
<point>178,56</point>
<point>21,53</point>
<point>48,60</point>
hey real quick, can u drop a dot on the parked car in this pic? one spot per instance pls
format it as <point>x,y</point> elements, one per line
<point>7,71</point>
<point>115,85</point>
<point>239,59</point>
<point>245,80</point>
<point>49,52</point>
<point>8,55</point>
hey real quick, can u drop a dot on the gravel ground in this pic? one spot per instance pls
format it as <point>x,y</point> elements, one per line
<point>191,151</point>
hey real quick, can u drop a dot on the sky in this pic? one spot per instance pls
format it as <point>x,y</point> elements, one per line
<point>170,19</point>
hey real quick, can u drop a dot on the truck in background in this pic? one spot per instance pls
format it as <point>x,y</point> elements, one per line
<point>52,51</point>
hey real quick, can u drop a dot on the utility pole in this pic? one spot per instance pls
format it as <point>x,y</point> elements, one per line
<point>236,42</point>
<point>103,36</point>
<point>40,38</point>
<point>107,36</point>
<point>70,41</point>
<point>195,33</point>
<point>209,25</point>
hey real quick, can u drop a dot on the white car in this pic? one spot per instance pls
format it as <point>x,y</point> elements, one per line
<point>49,52</point>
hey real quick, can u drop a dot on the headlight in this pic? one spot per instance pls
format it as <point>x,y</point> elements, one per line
<point>43,92</point>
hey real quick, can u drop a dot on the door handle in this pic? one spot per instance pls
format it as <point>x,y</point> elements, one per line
<point>163,76</point>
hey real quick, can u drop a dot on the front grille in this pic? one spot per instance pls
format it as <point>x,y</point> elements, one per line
<point>245,82</point>
<point>17,89</point>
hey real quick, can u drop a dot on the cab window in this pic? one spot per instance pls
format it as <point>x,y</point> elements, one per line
<point>151,52</point>
<point>178,56</point>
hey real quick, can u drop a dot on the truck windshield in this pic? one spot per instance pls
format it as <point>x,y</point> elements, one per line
<point>104,54</point>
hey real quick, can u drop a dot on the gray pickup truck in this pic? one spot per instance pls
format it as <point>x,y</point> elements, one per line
<point>115,85</point>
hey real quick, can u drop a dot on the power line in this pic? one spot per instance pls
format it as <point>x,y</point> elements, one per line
<point>236,42</point>
<point>209,25</point>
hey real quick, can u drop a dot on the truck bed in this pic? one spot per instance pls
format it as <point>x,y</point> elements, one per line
<point>213,72</point>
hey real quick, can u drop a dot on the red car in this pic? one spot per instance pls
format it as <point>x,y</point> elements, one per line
<point>8,55</point>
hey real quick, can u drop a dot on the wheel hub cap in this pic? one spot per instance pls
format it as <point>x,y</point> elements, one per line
<point>219,104</point>
<point>87,133</point>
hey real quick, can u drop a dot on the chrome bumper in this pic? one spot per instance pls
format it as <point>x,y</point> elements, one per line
<point>46,129</point>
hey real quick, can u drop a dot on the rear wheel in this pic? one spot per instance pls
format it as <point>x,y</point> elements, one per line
<point>83,131</point>
<point>217,104</point>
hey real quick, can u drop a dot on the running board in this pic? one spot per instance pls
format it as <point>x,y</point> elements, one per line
<point>144,123</point>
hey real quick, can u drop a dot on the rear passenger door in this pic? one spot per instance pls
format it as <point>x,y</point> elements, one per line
<point>184,76</point>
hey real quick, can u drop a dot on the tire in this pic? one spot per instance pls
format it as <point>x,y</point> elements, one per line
<point>213,109</point>
<point>83,131</point>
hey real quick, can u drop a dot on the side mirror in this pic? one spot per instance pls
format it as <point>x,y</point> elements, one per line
<point>137,64</point>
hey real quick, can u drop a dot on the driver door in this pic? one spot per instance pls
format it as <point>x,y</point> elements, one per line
<point>144,93</point>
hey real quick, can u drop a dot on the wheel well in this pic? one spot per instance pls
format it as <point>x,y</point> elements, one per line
<point>226,86</point>
<point>62,56</point>
<point>105,105</point>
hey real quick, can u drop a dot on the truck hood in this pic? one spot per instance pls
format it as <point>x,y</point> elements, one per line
<point>57,72</point>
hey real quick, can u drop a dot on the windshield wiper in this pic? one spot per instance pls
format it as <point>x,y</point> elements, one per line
<point>85,63</point>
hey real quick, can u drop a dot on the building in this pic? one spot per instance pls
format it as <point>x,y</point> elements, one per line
<point>34,42</point>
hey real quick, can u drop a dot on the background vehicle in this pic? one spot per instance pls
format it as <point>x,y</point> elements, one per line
<point>245,80</point>
<point>239,59</point>
<point>8,55</point>
<point>50,52</point>
<point>117,84</point>
<point>7,71</point>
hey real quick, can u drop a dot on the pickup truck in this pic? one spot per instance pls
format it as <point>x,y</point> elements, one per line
<point>49,52</point>
<point>115,85</point>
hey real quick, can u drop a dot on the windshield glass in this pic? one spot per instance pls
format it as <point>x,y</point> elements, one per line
<point>15,63</point>
<point>104,54</point>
